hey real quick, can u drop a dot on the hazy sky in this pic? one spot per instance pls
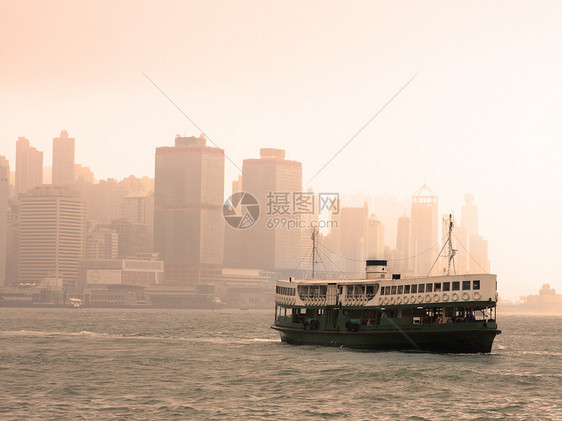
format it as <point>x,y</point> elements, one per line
<point>484,115</point>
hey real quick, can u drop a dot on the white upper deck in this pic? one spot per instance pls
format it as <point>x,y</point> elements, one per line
<point>385,291</point>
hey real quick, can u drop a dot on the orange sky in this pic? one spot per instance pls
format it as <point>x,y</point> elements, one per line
<point>482,116</point>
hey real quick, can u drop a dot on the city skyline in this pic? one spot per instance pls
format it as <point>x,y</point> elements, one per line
<point>481,117</point>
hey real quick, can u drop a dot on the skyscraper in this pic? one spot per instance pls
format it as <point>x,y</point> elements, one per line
<point>63,160</point>
<point>4,196</point>
<point>29,166</point>
<point>52,234</point>
<point>424,229</point>
<point>469,215</point>
<point>404,245</point>
<point>188,221</point>
<point>271,179</point>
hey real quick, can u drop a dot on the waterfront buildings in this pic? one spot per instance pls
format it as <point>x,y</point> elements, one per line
<point>29,166</point>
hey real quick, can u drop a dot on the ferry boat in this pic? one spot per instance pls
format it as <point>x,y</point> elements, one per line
<point>446,314</point>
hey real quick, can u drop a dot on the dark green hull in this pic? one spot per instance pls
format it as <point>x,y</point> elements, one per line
<point>452,338</point>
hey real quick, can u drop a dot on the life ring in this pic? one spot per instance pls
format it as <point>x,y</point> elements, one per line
<point>427,298</point>
<point>436,298</point>
<point>391,300</point>
<point>455,296</point>
<point>380,300</point>
<point>413,299</point>
<point>420,298</point>
<point>465,296</point>
<point>398,300</point>
<point>406,300</point>
<point>385,300</point>
<point>476,295</point>
<point>445,297</point>
<point>440,320</point>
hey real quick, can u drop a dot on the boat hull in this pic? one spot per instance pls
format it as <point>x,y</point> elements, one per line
<point>439,341</point>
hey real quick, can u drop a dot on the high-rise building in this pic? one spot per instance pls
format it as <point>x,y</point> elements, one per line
<point>375,238</point>
<point>188,221</point>
<point>52,234</point>
<point>273,181</point>
<point>424,229</point>
<point>353,225</point>
<point>29,166</point>
<point>388,209</point>
<point>4,196</point>
<point>403,263</point>
<point>102,243</point>
<point>473,246</point>
<point>469,215</point>
<point>63,160</point>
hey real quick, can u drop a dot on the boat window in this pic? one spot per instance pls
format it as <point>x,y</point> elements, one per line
<point>387,290</point>
<point>437,286</point>
<point>393,291</point>
<point>446,286</point>
<point>475,284</point>
<point>414,288</point>
<point>382,291</point>
<point>421,288</point>
<point>428,287</point>
<point>456,286</point>
<point>406,289</point>
<point>400,289</point>
<point>465,285</point>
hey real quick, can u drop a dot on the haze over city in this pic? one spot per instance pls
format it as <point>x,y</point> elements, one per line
<point>481,117</point>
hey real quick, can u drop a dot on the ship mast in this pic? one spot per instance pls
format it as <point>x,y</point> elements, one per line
<point>314,251</point>
<point>451,251</point>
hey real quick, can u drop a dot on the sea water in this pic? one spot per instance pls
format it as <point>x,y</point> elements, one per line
<point>229,365</point>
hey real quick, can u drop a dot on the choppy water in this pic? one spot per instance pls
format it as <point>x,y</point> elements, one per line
<point>106,364</point>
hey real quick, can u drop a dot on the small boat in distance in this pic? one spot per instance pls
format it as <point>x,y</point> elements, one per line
<point>75,303</point>
<point>446,314</point>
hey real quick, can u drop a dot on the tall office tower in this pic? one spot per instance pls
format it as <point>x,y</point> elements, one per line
<point>403,263</point>
<point>63,160</point>
<point>476,245</point>
<point>424,229</point>
<point>388,209</point>
<point>102,243</point>
<point>29,166</point>
<point>52,234</point>
<point>4,196</point>
<point>478,262</point>
<point>469,215</point>
<point>273,181</point>
<point>375,238</point>
<point>188,221</point>
<point>138,208</point>
<point>353,225</point>
<point>104,199</point>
